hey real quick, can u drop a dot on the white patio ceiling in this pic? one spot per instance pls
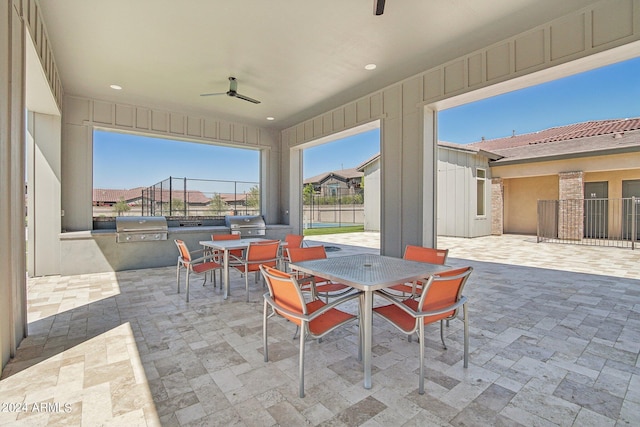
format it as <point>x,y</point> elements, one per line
<point>299,57</point>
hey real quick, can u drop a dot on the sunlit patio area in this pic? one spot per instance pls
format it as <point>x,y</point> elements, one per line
<point>555,340</point>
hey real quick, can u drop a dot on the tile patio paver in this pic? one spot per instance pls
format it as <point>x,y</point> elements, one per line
<point>554,341</point>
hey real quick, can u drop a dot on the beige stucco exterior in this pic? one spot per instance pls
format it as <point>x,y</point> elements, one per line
<point>526,183</point>
<point>521,197</point>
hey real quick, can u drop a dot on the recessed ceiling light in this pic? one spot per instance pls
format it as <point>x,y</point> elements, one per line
<point>116,87</point>
<point>370,67</point>
<point>271,118</point>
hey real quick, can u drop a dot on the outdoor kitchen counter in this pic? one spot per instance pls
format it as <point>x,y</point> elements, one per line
<point>96,251</point>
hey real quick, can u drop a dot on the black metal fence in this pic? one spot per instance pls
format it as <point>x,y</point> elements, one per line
<point>201,198</point>
<point>596,222</point>
<point>333,207</point>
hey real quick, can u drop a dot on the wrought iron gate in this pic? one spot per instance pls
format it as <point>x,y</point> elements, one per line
<point>596,222</point>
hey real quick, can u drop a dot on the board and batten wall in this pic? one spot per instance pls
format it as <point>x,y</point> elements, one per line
<point>82,115</point>
<point>407,110</point>
<point>457,194</point>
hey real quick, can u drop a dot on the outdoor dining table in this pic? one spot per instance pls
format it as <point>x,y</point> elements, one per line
<point>226,246</point>
<point>368,273</point>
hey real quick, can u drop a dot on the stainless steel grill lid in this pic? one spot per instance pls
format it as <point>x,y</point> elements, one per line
<point>141,228</point>
<point>247,225</point>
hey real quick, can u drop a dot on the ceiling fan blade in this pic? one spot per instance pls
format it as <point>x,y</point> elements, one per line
<point>246,98</point>
<point>378,7</point>
<point>212,94</point>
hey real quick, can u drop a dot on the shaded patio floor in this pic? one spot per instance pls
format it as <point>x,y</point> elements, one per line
<point>555,340</point>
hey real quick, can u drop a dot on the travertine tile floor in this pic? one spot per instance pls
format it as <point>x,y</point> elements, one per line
<point>555,340</point>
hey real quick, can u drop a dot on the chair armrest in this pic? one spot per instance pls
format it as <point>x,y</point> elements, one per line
<point>278,307</point>
<point>443,310</point>
<point>396,301</point>
<point>204,258</point>
<point>414,313</point>
<point>233,259</point>
<point>333,304</point>
<point>308,317</point>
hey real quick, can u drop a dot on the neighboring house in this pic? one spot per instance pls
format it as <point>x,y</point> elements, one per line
<point>336,183</point>
<point>110,196</point>
<point>493,186</point>
<point>595,159</point>
<point>464,191</point>
<point>105,197</point>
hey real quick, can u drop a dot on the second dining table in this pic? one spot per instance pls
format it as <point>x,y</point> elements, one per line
<point>226,246</point>
<point>368,273</point>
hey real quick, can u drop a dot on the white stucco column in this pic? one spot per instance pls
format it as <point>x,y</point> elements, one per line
<point>44,180</point>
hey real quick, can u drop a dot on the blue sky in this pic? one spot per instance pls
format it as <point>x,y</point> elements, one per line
<point>611,92</point>
<point>606,93</point>
<point>128,161</point>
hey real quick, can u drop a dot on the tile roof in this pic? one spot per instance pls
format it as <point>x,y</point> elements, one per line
<point>114,195</point>
<point>589,146</point>
<point>576,140</point>
<point>561,133</point>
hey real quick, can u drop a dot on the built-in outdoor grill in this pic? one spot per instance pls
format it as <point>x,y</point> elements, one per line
<point>141,228</point>
<point>246,226</point>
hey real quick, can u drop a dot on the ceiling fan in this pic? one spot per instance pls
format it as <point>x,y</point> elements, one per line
<point>378,7</point>
<point>233,92</point>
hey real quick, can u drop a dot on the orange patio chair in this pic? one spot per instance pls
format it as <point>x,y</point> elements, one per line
<point>420,254</point>
<point>201,265</point>
<point>217,254</point>
<point>292,241</point>
<point>263,252</point>
<point>440,300</point>
<point>316,284</point>
<point>315,318</point>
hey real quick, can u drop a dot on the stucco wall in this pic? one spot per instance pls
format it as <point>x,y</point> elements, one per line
<point>524,184</point>
<point>614,178</point>
<point>521,201</point>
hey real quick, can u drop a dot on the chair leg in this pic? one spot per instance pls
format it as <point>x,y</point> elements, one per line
<point>264,332</point>
<point>301,361</point>
<point>442,334</point>
<point>246,283</point>
<point>295,332</point>
<point>187,285</point>
<point>421,342</point>
<point>205,279</point>
<point>360,337</point>
<point>178,276</point>
<point>466,335</point>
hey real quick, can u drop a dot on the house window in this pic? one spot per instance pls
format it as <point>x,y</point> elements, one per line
<point>481,180</point>
<point>333,189</point>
